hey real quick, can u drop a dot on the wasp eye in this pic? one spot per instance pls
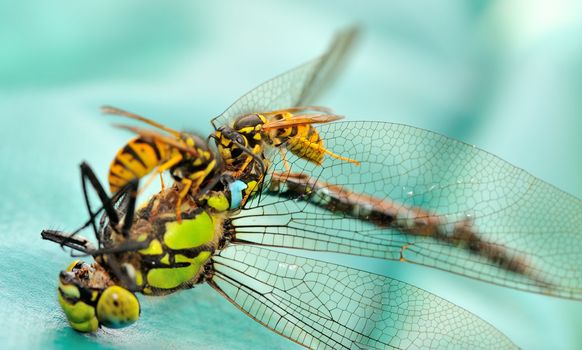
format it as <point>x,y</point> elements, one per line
<point>117,307</point>
<point>240,139</point>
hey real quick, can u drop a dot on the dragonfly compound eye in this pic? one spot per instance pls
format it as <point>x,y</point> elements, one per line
<point>77,304</point>
<point>117,307</point>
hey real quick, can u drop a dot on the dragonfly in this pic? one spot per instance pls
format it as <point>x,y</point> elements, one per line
<point>317,304</point>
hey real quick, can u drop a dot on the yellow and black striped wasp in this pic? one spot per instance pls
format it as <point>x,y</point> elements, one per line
<point>187,157</point>
<point>286,127</point>
<point>247,134</point>
<point>289,129</point>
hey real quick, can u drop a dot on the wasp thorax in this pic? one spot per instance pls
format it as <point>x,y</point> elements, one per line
<point>192,140</point>
<point>248,121</point>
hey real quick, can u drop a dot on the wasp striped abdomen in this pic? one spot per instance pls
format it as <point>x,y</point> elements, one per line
<point>286,129</point>
<point>186,156</point>
<point>136,159</point>
<point>301,140</point>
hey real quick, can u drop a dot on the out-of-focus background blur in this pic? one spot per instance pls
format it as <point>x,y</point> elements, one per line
<point>504,75</point>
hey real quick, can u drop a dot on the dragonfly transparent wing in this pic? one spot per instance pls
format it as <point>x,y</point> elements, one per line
<point>297,87</point>
<point>495,222</point>
<point>326,306</point>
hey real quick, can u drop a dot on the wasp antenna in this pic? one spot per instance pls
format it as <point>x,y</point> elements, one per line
<point>133,129</point>
<point>124,113</point>
<point>162,138</point>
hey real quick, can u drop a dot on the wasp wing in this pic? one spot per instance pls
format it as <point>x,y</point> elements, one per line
<point>297,120</point>
<point>297,87</point>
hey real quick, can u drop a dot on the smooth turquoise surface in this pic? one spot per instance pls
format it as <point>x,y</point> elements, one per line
<point>503,75</point>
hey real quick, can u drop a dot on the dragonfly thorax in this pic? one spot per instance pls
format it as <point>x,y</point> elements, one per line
<point>174,253</point>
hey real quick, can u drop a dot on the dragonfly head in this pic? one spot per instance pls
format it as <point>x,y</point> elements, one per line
<point>89,299</point>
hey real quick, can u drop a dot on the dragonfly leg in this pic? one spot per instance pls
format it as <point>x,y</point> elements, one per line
<point>77,243</point>
<point>87,174</point>
<point>130,209</point>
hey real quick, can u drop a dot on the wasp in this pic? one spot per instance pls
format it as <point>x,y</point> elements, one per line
<point>187,157</point>
<point>290,129</point>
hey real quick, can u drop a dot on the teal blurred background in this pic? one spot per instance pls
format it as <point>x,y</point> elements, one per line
<point>503,75</point>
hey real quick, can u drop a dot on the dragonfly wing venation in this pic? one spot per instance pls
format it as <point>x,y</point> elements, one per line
<point>297,87</point>
<point>326,306</point>
<point>525,232</point>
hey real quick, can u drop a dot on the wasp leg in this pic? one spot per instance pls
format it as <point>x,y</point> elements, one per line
<point>243,167</point>
<point>183,193</point>
<point>319,148</point>
<point>262,173</point>
<point>162,182</point>
<point>198,178</point>
<point>252,190</point>
<point>166,166</point>
<point>252,155</point>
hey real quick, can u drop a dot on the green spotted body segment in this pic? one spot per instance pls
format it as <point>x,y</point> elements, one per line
<point>175,259</point>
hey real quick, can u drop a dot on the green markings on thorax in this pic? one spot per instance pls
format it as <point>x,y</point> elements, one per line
<point>182,251</point>
<point>190,233</point>
<point>169,278</point>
